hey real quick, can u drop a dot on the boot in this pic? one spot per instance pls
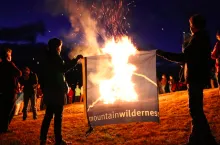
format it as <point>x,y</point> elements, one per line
<point>34,116</point>
<point>24,116</point>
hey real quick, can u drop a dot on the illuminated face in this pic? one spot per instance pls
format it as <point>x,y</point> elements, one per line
<point>192,28</point>
<point>26,72</point>
<point>59,49</point>
<point>218,37</point>
<point>9,56</point>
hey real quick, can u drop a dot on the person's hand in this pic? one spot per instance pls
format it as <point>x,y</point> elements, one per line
<point>79,61</point>
<point>79,57</point>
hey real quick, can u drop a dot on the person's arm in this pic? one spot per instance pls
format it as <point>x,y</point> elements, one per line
<point>35,80</point>
<point>173,57</point>
<point>64,67</point>
<point>214,54</point>
<point>15,70</point>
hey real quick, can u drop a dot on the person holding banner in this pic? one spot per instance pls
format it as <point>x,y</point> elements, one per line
<point>196,58</point>
<point>55,89</point>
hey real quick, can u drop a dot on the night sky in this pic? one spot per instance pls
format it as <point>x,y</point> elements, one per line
<point>160,23</point>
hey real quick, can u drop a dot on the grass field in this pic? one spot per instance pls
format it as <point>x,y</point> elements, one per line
<point>173,129</point>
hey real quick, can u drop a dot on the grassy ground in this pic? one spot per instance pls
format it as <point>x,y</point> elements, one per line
<point>173,129</point>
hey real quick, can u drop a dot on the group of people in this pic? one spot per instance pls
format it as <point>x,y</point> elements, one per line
<point>22,85</point>
<point>165,85</point>
<point>75,95</point>
<point>195,58</point>
<point>23,105</point>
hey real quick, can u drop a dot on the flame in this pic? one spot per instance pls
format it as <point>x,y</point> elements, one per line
<point>120,86</point>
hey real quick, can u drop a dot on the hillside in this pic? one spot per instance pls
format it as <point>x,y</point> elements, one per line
<point>173,128</point>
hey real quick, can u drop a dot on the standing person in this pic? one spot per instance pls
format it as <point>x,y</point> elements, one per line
<point>216,56</point>
<point>55,89</point>
<point>77,93</point>
<point>8,85</point>
<point>172,85</point>
<point>163,83</point>
<point>196,58</point>
<point>70,95</point>
<point>29,80</point>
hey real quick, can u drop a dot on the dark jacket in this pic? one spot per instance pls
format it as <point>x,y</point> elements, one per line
<point>9,74</point>
<point>54,86</point>
<point>195,57</point>
<point>30,85</point>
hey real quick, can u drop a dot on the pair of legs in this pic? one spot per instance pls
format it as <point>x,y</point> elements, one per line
<point>170,88</point>
<point>201,133</point>
<point>218,78</point>
<point>70,99</point>
<point>17,108</point>
<point>56,111</point>
<point>163,89</point>
<point>19,103</point>
<point>77,99</point>
<point>7,109</point>
<point>33,99</point>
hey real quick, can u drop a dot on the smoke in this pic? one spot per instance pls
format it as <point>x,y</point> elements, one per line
<point>93,22</point>
<point>84,27</point>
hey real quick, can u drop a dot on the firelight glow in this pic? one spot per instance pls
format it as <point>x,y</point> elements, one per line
<point>120,86</point>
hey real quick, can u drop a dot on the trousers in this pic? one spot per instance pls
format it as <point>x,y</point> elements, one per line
<point>56,111</point>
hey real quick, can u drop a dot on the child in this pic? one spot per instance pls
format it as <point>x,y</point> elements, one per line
<point>70,95</point>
